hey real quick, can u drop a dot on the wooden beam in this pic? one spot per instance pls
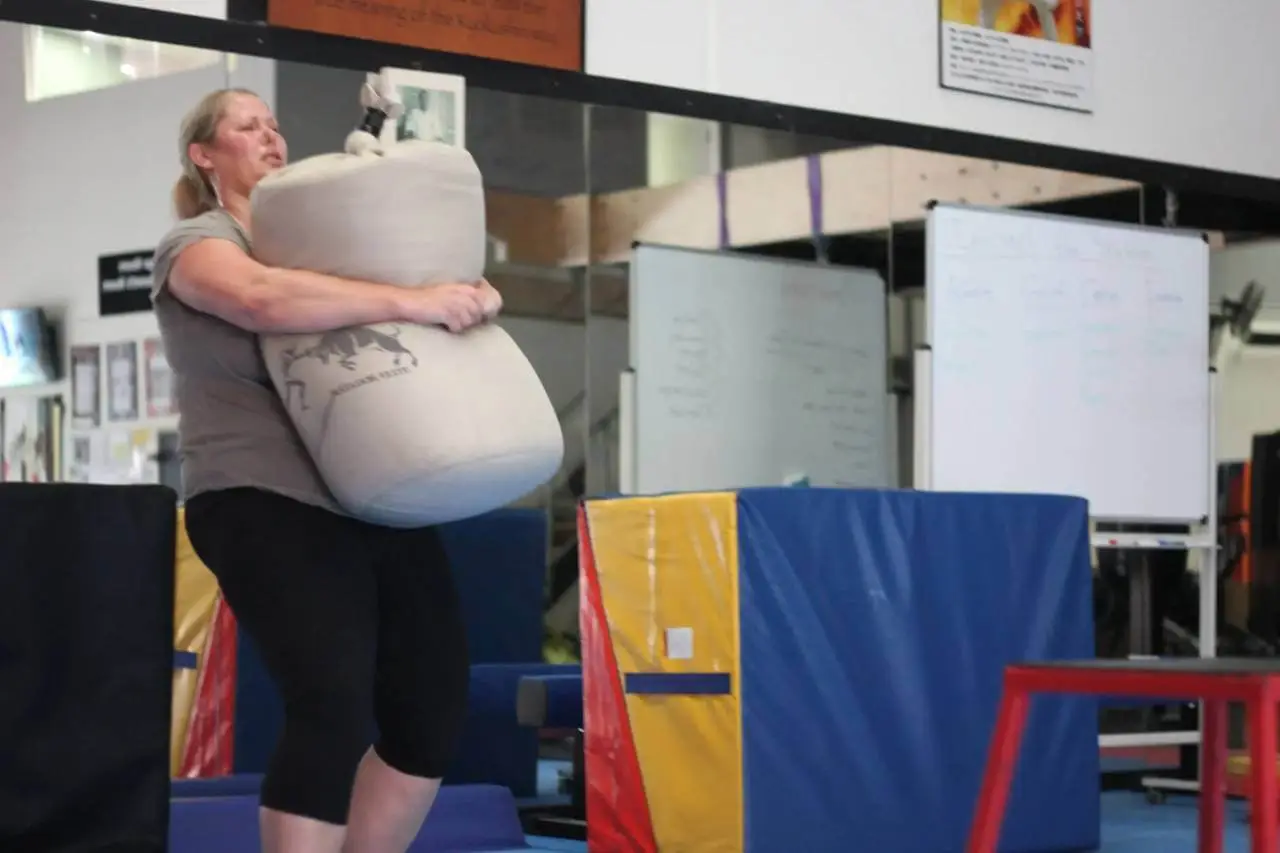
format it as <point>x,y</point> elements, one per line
<point>864,191</point>
<point>530,226</point>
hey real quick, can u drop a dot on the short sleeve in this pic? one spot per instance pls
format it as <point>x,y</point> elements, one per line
<point>214,224</point>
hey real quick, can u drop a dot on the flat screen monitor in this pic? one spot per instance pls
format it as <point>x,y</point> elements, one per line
<point>28,348</point>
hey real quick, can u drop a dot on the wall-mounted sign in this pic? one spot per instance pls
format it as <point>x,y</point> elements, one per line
<point>124,283</point>
<point>1038,51</point>
<point>547,33</point>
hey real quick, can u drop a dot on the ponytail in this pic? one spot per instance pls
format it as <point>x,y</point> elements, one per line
<point>191,197</point>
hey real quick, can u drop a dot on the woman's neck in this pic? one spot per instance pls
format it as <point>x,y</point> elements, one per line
<point>238,206</point>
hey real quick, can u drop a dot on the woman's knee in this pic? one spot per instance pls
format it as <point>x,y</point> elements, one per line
<point>421,723</point>
<point>423,670</point>
<point>313,770</point>
<point>418,751</point>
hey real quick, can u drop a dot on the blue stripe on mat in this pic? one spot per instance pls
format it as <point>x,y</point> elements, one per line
<point>678,683</point>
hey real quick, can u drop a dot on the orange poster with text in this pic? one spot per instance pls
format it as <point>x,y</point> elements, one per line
<point>1069,19</point>
<point>546,33</point>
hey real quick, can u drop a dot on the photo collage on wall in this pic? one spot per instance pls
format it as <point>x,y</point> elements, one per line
<point>120,444</point>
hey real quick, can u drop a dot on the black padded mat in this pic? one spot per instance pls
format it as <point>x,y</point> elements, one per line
<point>86,666</point>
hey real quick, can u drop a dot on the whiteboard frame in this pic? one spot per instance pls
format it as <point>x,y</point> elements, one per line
<point>629,460</point>
<point>627,432</point>
<point>924,426</point>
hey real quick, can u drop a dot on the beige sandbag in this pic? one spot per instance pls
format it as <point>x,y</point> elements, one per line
<point>408,425</point>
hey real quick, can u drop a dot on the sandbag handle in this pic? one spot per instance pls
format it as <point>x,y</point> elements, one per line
<point>373,121</point>
<point>381,101</point>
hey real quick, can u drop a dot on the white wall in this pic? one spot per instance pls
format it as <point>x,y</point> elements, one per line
<point>1248,402</point>
<point>90,174</point>
<point>1249,382</point>
<point>1182,81</point>
<point>1234,267</point>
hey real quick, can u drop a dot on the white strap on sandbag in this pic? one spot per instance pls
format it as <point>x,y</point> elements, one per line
<point>381,101</point>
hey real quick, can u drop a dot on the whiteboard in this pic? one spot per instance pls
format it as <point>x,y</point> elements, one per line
<point>752,371</point>
<point>1070,357</point>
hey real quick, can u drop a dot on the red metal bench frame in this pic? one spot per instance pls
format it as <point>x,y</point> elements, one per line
<point>1259,691</point>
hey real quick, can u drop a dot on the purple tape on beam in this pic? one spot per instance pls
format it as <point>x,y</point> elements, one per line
<point>815,197</point>
<point>722,194</point>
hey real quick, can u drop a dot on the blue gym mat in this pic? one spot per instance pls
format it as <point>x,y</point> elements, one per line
<point>220,816</point>
<point>1129,825</point>
<point>465,819</point>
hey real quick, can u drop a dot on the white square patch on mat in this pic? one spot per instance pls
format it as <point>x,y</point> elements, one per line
<point>679,643</point>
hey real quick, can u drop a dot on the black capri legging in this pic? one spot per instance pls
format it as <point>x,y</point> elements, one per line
<point>360,628</point>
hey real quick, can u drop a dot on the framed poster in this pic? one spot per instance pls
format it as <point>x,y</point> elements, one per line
<point>86,383</point>
<point>435,107</point>
<point>86,456</point>
<point>122,381</point>
<point>1035,51</point>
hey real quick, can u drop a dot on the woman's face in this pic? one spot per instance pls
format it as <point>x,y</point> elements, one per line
<point>246,147</point>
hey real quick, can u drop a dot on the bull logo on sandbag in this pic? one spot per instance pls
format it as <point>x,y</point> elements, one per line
<point>345,348</point>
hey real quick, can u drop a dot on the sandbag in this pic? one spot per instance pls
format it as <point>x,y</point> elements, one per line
<point>408,425</point>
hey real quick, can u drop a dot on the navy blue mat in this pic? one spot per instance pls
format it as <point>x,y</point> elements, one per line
<point>465,819</point>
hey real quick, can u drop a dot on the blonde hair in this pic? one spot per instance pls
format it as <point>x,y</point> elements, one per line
<point>193,194</point>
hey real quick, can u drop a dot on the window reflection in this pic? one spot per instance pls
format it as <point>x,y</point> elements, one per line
<point>66,62</point>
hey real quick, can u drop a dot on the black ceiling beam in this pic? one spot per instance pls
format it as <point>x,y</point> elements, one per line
<point>1203,211</point>
<point>254,38</point>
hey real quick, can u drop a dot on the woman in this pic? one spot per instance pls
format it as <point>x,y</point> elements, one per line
<point>358,625</point>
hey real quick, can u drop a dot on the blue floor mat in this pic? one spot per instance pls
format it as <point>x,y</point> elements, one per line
<point>1129,825</point>
<point>1132,825</point>
<point>217,817</point>
<point>558,844</point>
<point>470,818</point>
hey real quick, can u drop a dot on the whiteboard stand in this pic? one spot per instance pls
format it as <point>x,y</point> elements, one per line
<point>1204,542</point>
<point>1001,283</point>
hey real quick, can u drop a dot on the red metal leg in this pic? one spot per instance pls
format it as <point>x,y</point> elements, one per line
<point>1213,777</point>
<point>1002,761</point>
<point>1262,770</point>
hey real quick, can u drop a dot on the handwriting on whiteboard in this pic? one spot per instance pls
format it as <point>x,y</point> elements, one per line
<point>694,344</point>
<point>1086,337</point>
<point>754,371</point>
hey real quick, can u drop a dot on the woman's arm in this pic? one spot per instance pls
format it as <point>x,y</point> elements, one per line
<point>217,277</point>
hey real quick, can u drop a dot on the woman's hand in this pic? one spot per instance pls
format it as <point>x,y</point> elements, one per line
<point>490,298</point>
<point>457,307</point>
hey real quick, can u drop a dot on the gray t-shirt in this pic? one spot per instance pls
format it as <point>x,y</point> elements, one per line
<point>233,429</point>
